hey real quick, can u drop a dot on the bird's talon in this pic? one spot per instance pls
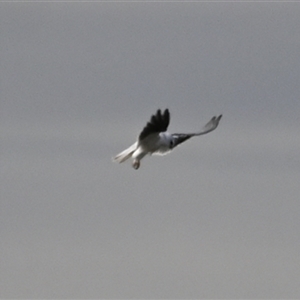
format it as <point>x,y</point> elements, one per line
<point>136,164</point>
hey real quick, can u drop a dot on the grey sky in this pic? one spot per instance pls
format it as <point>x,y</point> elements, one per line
<point>217,218</point>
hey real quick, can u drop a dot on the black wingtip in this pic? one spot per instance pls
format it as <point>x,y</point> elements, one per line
<point>158,123</point>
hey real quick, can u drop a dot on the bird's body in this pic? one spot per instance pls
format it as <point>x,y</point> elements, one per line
<point>154,139</point>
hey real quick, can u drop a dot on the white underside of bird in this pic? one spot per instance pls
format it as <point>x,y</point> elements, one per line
<point>154,139</point>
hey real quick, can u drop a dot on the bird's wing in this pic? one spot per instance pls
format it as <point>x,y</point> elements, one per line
<point>158,123</point>
<point>210,126</point>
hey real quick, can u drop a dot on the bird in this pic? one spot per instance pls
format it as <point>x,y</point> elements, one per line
<point>154,138</point>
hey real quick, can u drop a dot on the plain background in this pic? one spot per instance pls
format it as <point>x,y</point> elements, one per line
<point>217,218</point>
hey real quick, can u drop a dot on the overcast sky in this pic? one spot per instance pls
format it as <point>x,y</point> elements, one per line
<point>217,218</point>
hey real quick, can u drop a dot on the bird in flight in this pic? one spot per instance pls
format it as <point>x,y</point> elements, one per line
<point>154,138</point>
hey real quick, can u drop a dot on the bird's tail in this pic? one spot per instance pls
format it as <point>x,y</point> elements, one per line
<point>124,155</point>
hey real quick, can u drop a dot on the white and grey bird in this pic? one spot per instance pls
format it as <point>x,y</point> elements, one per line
<point>154,139</point>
